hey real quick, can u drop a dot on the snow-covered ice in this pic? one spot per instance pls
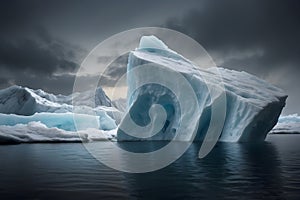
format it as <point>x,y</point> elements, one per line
<point>39,132</point>
<point>252,105</point>
<point>25,101</point>
<point>287,124</point>
<point>28,115</point>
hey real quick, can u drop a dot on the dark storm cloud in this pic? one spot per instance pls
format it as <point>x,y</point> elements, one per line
<point>29,54</point>
<point>35,56</point>
<point>29,44</point>
<point>114,71</point>
<point>43,42</point>
<point>118,67</point>
<point>37,59</point>
<point>270,25</point>
<point>260,37</point>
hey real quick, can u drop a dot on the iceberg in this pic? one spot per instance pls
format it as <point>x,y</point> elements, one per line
<point>252,105</point>
<point>28,115</point>
<point>288,124</point>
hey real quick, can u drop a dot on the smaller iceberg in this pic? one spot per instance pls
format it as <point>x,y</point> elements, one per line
<point>28,115</point>
<point>289,124</point>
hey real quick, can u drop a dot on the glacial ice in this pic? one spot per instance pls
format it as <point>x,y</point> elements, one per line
<point>63,121</point>
<point>252,105</point>
<point>287,124</point>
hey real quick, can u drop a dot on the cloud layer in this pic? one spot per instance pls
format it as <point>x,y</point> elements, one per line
<point>43,43</point>
<point>260,37</point>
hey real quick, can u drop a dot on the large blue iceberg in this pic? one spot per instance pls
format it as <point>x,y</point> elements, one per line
<point>252,105</point>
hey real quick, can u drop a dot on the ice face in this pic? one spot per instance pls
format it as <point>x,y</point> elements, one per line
<point>252,105</point>
<point>55,127</point>
<point>62,121</point>
<point>39,132</point>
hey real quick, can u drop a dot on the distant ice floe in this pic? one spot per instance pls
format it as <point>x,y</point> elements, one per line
<point>289,124</point>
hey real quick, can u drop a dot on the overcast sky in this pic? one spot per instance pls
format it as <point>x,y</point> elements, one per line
<point>43,43</point>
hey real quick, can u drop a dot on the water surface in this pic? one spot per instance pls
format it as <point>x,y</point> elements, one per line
<point>270,170</point>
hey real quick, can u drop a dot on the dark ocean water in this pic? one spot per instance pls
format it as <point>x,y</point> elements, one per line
<point>270,170</point>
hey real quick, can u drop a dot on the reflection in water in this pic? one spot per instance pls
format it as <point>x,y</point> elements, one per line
<point>269,170</point>
<point>231,170</point>
<point>263,164</point>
